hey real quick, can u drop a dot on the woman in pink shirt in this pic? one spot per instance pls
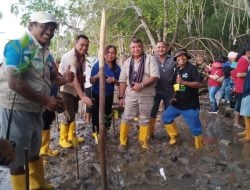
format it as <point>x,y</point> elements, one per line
<point>215,79</point>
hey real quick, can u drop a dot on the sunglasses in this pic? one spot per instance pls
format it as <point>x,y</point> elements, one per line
<point>48,26</point>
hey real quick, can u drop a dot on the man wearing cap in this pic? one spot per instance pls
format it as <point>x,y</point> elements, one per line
<point>25,89</point>
<point>138,78</point>
<point>186,100</point>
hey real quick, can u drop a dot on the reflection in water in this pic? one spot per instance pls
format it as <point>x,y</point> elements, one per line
<point>210,125</point>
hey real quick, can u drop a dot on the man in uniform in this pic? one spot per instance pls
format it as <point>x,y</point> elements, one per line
<point>136,92</point>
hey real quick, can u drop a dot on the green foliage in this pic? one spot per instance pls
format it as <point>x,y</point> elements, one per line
<point>218,26</point>
<point>26,60</point>
<point>24,41</point>
<point>108,119</point>
<point>185,18</point>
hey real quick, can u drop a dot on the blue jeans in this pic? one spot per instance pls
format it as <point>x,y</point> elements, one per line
<point>191,117</point>
<point>228,92</point>
<point>157,100</point>
<point>223,91</point>
<point>238,102</point>
<point>212,91</point>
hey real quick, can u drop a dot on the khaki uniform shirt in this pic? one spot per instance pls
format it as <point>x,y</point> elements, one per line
<point>151,69</point>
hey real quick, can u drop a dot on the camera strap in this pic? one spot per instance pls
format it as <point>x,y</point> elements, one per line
<point>10,118</point>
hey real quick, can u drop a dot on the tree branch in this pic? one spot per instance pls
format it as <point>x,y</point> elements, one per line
<point>144,24</point>
<point>247,8</point>
<point>138,28</point>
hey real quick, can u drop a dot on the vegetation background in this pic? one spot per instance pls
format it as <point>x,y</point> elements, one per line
<point>213,26</point>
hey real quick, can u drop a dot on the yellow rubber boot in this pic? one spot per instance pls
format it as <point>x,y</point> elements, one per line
<point>198,141</point>
<point>45,150</point>
<point>18,182</point>
<point>45,143</point>
<point>52,153</point>
<point>172,132</point>
<point>63,142</point>
<point>143,136</point>
<point>95,136</point>
<point>247,136</point>
<point>124,130</point>
<point>116,114</point>
<point>242,134</point>
<point>151,127</point>
<point>72,132</point>
<point>36,174</point>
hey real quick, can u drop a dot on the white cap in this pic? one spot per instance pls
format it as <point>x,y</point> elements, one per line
<point>232,55</point>
<point>42,17</point>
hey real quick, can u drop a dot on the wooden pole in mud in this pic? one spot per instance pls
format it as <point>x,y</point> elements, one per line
<point>27,179</point>
<point>101,144</point>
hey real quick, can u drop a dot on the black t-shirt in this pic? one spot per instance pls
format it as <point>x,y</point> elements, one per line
<point>187,98</point>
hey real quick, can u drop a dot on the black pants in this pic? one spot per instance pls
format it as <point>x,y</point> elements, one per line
<point>70,103</point>
<point>95,111</point>
<point>88,94</point>
<point>48,117</point>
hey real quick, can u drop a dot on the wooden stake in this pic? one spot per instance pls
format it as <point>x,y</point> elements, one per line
<point>27,179</point>
<point>101,144</point>
<point>77,163</point>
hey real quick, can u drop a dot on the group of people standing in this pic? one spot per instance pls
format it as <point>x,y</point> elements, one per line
<point>227,80</point>
<point>29,95</point>
<point>228,83</point>
<point>145,80</point>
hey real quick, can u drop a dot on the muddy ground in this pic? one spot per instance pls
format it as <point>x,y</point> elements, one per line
<point>223,163</point>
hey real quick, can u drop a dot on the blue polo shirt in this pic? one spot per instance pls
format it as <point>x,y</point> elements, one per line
<point>109,87</point>
<point>16,55</point>
<point>13,52</point>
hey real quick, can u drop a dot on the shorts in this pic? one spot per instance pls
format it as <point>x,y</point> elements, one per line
<point>25,131</point>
